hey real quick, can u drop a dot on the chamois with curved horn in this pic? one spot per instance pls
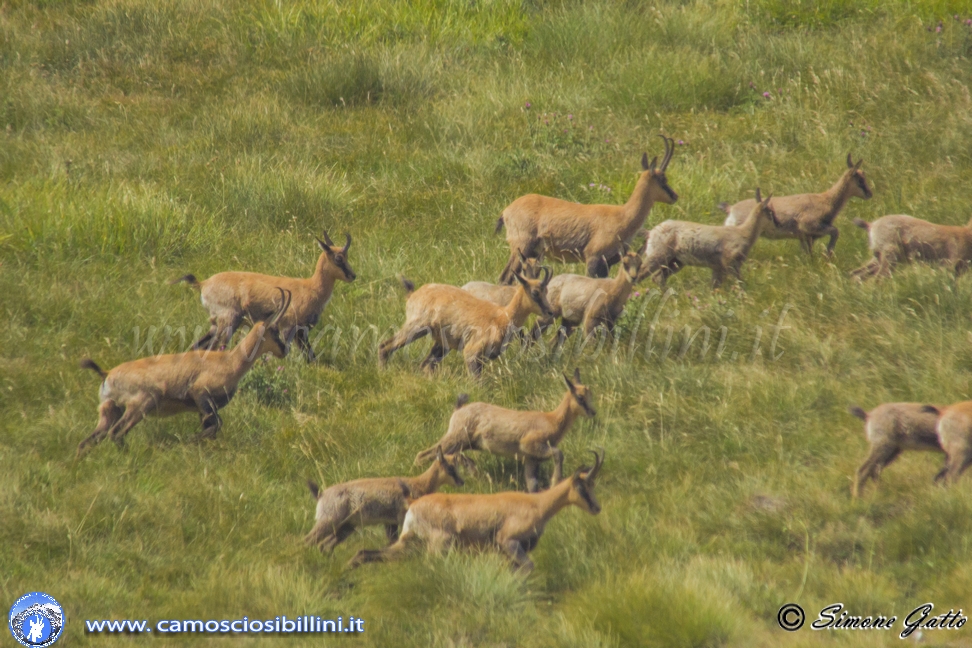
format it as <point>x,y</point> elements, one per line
<point>202,381</point>
<point>590,234</point>
<point>231,297</point>
<point>808,217</point>
<point>511,522</point>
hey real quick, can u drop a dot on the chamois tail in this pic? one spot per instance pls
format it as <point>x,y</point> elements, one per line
<point>88,363</point>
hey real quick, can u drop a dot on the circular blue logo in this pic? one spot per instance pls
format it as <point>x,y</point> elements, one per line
<point>36,620</point>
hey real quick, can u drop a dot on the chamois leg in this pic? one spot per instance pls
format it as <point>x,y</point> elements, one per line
<point>475,359</point>
<point>958,462</point>
<point>108,415</point>
<point>597,267</point>
<point>340,535</point>
<point>405,336</point>
<point>133,414</point>
<point>303,343</point>
<point>391,552</point>
<point>834,233</point>
<point>960,267</point>
<point>209,417</point>
<point>432,360</point>
<point>512,266</point>
<point>220,332</point>
<point>514,549</point>
<point>531,470</point>
<point>718,276</point>
<point>391,532</point>
<point>873,465</point>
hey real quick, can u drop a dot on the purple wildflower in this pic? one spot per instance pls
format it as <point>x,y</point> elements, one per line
<point>527,105</point>
<point>681,142</point>
<point>766,94</point>
<point>570,117</point>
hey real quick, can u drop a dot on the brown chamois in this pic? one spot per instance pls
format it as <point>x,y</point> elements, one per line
<point>672,245</point>
<point>590,234</point>
<point>232,296</point>
<point>342,508</point>
<point>890,429</point>
<point>901,239</point>
<point>589,303</point>
<point>501,294</point>
<point>954,430</point>
<point>203,381</point>
<point>511,522</point>
<point>457,320</point>
<point>530,437</point>
<point>808,217</point>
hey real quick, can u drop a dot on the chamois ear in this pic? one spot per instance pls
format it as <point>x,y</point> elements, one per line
<point>653,165</point>
<point>314,488</point>
<point>520,256</point>
<point>577,378</point>
<point>327,239</point>
<point>570,385</point>
<point>519,277</point>
<point>858,164</point>
<point>850,163</point>
<point>325,248</point>
<point>347,237</point>
<point>759,198</point>
<point>644,162</point>
<point>438,454</point>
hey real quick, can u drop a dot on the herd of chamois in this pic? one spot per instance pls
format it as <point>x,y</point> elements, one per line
<point>480,320</point>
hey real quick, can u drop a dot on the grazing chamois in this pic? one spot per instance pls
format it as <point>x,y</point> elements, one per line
<point>203,381</point>
<point>901,239</point>
<point>342,508</point>
<point>502,294</point>
<point>892,428</point>
<point>672,245</point>
<point>808,217</point>
<point>511,522</point>
<point>530,437</point>
<point>588,302</point>
<point>232,296</point>
<point>590,234</point>
<point>954,430</point>
<point>481,330</point>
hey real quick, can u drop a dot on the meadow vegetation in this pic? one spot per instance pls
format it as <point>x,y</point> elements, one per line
<point>144,140</point>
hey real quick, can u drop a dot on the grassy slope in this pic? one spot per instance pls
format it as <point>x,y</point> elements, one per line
<point>147,139</point>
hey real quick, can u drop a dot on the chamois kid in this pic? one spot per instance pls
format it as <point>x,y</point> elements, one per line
<point>890,429</point>
<point>231,297</point>
<point>588,302</point>
<point>481,330</point>
<point>203,381</point>
<point>590,234</point>
<point>530,437</point>
<point>672,245</point>
<point>511,522</point>
<point>342,508</point>
<point>501,294</point>
<point>954,430</point>
<point>901,239</point>
<point>808,217</point>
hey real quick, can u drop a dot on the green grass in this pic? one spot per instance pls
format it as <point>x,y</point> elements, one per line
<point>143,140</point>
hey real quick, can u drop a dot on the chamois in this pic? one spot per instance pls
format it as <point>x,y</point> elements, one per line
<point>587,302</point>
<point>201,380</point>
<point>501,295</point>
<point>672,245</point>
<point>511,522</point>
<point>342,508</point>
<point>890,429</point>
<point>899,239</point>
<point>808,217</point>
<point>457,320</point>
<point>592,234</point>
<point>530,437</point>
<point>954,430</point>
<point>232,296</point>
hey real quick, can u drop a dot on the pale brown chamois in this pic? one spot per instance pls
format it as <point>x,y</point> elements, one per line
<point>901,239</point>
<point>530,437</point>
<point>203,381</point>
<point>456,320</point>
<point>954,430</point>
<point>590,234</point>
<point>587,302</point>
<point>511,522</point>
<point>672,245</point>
<point>501,294</point>
<point>231,297</point>
<point>342,508</point>
<point>890,429</point>
<point>808,217</point>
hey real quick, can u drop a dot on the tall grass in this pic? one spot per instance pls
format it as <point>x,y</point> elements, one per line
<point>140,141</point>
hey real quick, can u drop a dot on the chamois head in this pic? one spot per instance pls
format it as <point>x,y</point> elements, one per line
<point>763,209</point>
<point>631,264</point>
<point>658,187</point>
<point>270,340</point>
<point>536,291</point>
<point>448,468</point>
<point>530,268</point>
<point>337,258</point>
<point>582,485</point>
<point>858,183</point>
<point>580,393</point>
